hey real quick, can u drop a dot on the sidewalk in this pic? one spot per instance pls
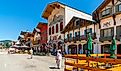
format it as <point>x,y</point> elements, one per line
<point>50,61</point>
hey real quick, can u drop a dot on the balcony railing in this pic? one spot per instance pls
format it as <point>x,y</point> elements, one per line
<point>79,38</point>
<point>70,39</point>
<point>66,40</point>
<point>108,38</point>
<point>93,36</point>
<point>83,37</point>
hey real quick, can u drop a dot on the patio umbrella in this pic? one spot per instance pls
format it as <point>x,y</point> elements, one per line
<point>113,48</point>
<point>89,45</point>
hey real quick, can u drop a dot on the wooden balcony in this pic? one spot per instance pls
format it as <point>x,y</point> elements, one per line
<point>70,39</point>
<point>108,38</point>
<point>83,37</point>
<point>66,40</point>
<point>77,38</point>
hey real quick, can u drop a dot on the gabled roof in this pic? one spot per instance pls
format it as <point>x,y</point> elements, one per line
<point>41,24</point>
<point>70,26</point>
<point>23,33</point>
<point>51,6</point>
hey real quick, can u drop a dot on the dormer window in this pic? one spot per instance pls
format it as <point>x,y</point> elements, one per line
<point>106,12</point>
<point>118,8</point>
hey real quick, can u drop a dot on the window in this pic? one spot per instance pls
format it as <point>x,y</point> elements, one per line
<point>85,32</point>
<point>77,22</point>
<point>75,34</point>
<point>107,32</point>
<point>56,28</point>
<point>106,12</point>
<point>118,8</point>
<point>70,35</point>
<point>61,26</point>
<point>50,31</point>
<point>78,33</point>
<point>67,35</point>
<point>53,30</point>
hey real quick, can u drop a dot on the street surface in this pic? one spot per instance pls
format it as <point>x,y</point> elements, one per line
<point>21,62</point>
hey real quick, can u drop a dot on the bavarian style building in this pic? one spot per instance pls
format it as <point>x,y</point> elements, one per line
<point>108,17</point>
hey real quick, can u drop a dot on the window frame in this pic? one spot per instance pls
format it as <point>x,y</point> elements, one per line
<point>53,30</point>
<point>56,28</point>
<point>50,30</point>
<point>118,8</point>
<point>61,26</point>
<point>106,14</point>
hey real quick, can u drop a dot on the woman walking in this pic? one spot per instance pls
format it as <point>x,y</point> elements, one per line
<point>58,59</point>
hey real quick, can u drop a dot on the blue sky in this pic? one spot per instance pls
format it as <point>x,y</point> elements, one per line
<point>22,15</point>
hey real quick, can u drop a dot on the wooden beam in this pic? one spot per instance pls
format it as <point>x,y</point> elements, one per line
<point>104,60</point>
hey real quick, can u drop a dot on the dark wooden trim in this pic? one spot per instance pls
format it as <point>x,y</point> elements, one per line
<point>98,19</point>
<point>114,16</point>
<point>73,30</point>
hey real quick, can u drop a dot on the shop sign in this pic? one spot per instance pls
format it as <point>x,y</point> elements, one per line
<point>107,24</point>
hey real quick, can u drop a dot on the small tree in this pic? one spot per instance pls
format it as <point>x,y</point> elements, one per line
<point>7,45</point>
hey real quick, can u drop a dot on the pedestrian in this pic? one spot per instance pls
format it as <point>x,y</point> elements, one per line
<point>58,59</point>
<point>31,53</point>
<point>30,45</point>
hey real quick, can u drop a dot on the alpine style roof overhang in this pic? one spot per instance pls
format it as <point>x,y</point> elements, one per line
<point>51,6</point>
<point>71,25</point>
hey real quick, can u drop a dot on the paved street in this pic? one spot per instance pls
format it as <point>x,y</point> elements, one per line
<point>20,62</point>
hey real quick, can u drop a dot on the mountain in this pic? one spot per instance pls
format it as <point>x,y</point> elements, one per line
<point>5,41</point>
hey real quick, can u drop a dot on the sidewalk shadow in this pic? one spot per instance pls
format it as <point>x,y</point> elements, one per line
<point>53,67</point>
<point>29,58</point>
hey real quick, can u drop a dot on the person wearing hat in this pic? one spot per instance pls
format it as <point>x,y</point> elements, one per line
<point>58,59</point>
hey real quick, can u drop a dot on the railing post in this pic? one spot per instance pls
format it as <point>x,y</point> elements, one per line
<point>77,60</point>
<point>65,64</point>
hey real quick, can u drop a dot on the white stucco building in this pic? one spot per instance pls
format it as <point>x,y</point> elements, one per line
<point>58,16</point>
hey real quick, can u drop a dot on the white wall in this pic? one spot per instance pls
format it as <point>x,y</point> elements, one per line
<point>69,13</point>
<point>56,12</point>
<point>82,30</point>
<point>104,21</point>
<point>118,20</point>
